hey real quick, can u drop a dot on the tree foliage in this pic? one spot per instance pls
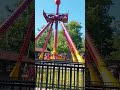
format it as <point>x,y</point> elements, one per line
<point>62,43</point>
<point>115,55</point>
<point>75,33</point>
<point>42,39</point>
<point>98,24</point>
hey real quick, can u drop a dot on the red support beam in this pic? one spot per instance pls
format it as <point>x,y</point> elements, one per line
<point>39,34</point>
<point>15,71</point>
<point>79,57</point>
<point>46,41</point>
<point>68,36</point>
<point>14,16</point>
<point>27,38</point>
<point>55,38</point>
<point>71,49</point>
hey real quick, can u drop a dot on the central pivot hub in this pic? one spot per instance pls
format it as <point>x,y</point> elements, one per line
<point>56,17</point>
<point>57,2</point>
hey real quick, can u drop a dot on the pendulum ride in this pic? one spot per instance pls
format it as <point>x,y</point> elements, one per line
<point>55,19</point>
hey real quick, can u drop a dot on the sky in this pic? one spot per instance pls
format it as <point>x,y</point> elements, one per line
<point>115,11</point>
<point>74,8</point>
<point>11,3</point>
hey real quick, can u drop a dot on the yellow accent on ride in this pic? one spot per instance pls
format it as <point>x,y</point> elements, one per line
<point>93,76</point>
<point>41,56</point>
<point>74,58</point>
<point>79,57</point>
<point>54,51</point>
<point>15,71</point>
<point>107,76</point>
<point>51,57</point>
<point>104,72</point>
<point>102,68</point>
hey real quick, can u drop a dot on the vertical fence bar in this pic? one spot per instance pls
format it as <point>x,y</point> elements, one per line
<point>77,78</point>
<point>36,66</point>
<point>62,83</point>
<point>39,75</point>
<point>53,77</point>
<point>50,74</point>
<point>47,75</point>
<point>65,79</point>
<point>83,78</point>
<point>42,73</point>
<point>70,78</point>
<point>58,77</point>
<point>74,77</point>
<point>68,75</point>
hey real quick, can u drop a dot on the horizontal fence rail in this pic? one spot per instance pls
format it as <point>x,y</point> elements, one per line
<point>17,85</point>
<point>90,85</point>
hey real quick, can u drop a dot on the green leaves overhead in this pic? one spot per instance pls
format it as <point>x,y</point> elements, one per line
<point>115,55</point>
<point>74,31</point>
<point>98,24</point>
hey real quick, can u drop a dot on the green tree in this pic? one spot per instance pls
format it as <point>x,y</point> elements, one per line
<point>74,30</point>
<point>42,39</point>
<point>98,24</point>
<point>83,45</point>
<point>115,55</point>
<point>62,43</point>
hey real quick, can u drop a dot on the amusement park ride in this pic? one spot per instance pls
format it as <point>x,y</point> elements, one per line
<point>55,18</point>
<point>106,75</point>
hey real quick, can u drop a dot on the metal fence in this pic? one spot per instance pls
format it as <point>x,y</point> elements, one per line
<point>60,75</point>
<point>92,85</point>
<point>57,75</point>
<point>17,85</point>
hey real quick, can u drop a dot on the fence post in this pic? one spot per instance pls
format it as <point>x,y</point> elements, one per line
<point>53,77</point>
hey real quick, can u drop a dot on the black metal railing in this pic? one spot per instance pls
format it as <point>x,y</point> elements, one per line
<point>17,85</point>
<point>90,85</point>
<point>57,75</point>
<point>60,75</point>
